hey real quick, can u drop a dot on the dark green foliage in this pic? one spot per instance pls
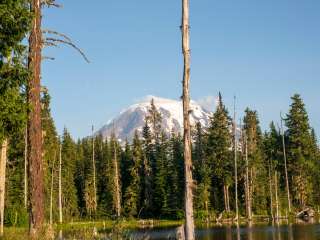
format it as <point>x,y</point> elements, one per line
<point>202,174</point>
<point>15,21</point>
<point>69,197</point>
<point>301,148</point>
<point>132,193</point>
<point>219,152</point>
<point>257,163</point>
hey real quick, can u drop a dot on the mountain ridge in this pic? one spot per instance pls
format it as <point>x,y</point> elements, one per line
<point>132,118</point>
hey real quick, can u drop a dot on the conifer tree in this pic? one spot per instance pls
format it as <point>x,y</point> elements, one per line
<point>175,178</point>
<point>219,152</point>
<point>300,151</point>
<point>257,165</point>
<point>148,171</point>
<point>272,150</point>
<point>160,184</point>
<point>202,174</point>
<point>15,23</point>
<point>69,197</point>
<point>133,191</point>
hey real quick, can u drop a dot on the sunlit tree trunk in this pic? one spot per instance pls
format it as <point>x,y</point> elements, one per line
<point>189,226</point>
<point>285,167</point>
<point>270,190</point>
<point>248,191</point>
<point>26,168</point>
<point>51,190</point>
<point>117,183</point>
<point>94,173</point>
<point>36,185</point>
<point>3,164</point>
<point>235,161</point>
<point>60,185</point>
<point>276,195</point>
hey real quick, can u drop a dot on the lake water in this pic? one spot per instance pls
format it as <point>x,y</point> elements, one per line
<point>257,232</point>
<point>266,232</point>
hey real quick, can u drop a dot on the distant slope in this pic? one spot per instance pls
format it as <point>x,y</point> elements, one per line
<point>132,118</point>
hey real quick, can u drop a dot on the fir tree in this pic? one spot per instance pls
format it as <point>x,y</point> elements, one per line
<point>257,165</point>
<point>300,151</point>
<point>202,174</point>
<point>15,23</point>
<point>69,197</point>
<point>219,153</point>
<point>133,191</point>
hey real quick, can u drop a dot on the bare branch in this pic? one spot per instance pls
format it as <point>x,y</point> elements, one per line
<point>51,3</point>
<point>47,58</point>
<point>50,44</point>
<point>55,40</point>
<point>56,33</point>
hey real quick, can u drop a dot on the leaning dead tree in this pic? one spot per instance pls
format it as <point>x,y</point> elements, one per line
<point>285,165</point>
<point>189,226</point>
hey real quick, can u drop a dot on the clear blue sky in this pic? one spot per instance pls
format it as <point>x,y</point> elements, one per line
<point>263,51</point>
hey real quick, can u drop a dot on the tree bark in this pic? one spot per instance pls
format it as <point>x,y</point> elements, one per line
<point>228,199</point>
<point>189,227</point>
<point>3,164</point>
<point>51,190</point>
<point>225,198</point>
<point>235,162</point>
<point>94,173</point>
<point>117,183</point>
<point>51,199</point>
<point>276,195</point>
<point>26,169</point>
<point>248,191</point>
<point>285,166</point>
<point>60,185</point>
<point>270,190</point>
<point>36,186</point>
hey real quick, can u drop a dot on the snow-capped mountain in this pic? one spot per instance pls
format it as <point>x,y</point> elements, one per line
<point>132,118</point>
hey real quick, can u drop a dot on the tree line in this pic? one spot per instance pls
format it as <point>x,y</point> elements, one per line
<point>104,178</point>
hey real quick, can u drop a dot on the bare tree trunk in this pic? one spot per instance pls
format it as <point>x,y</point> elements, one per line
<point>94,173</point>
<point>235,162</point>
<point>248,197</point>
<point>26,169</point>
<point>285,166</point>
<point>270,190</point>
<point>225,197</point>
<point>189,227</point>
<point>60,186</point>
<point>3,164</point>
<point>117,183</point>
<point>228,199</point>
<point>36,185</point>
<point>51,198</point>
<point>276,194</point>
<point>51,190</point>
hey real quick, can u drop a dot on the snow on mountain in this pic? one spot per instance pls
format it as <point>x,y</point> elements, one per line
<point>132,118</point>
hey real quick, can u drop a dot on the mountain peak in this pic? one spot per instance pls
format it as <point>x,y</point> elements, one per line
<point>132,118</point>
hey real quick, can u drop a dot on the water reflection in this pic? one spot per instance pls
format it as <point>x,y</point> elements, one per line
<point>253,232</point>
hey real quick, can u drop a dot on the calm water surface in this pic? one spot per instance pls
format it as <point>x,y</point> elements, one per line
<point>283,232</point>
